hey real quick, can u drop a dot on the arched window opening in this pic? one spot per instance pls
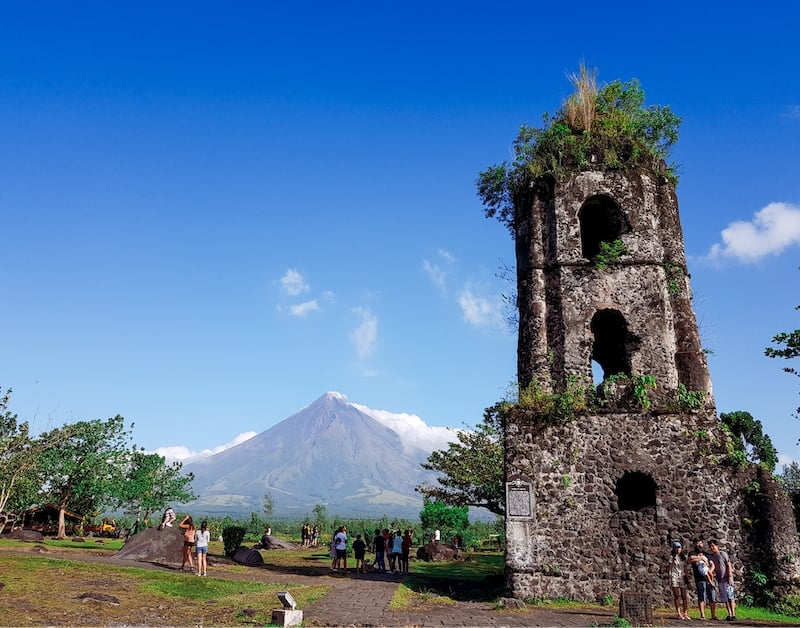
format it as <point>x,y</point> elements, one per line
<point>601,220</point>
<point>636,490</point>
<point>613,343</point>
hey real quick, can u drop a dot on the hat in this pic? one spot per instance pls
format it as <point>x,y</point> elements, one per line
<point>675,544</point>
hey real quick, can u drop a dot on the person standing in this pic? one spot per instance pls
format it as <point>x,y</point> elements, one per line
<point>187,525</point>
<point>406,549</point>
<point>705,591</point>
<point>202,538</point>
<point>340,543</point>
<point>723,569</point>
<point>380,549</point>
<point>397,551</point>
<point>359,552</point>
<point>679,581</point>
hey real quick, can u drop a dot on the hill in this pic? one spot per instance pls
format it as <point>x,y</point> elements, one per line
<point>329,453</point>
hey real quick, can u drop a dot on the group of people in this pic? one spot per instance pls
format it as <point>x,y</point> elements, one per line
<point>390,547</point>
<point>193,539</point>
<point>712,572</point>
<point>309,535</point>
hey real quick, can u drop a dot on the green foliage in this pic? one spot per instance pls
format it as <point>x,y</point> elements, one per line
<point>674,273</point>
<point>321,516</point>
<point>268,505</point>
<point>790,478</point>
<point>789,350</point>
<point>748,439</point>
<point>85,472</point>
<point>560,407</point>
<point>232,537</point>
<point>148,484</point>
<point>615,131</point>
<point>449,520</point>
<point>15,458</point>
<point>641,385</point>
<point>471,468</point>
<point>610,253</point>
<point>689,399</point>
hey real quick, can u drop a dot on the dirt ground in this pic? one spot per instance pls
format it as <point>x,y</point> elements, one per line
<point>82,593</point>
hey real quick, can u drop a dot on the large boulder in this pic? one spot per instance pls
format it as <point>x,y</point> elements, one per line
<point>25,535</point>
<point>436,552</point>
<point>248,556</point>
<point>163,547</point>
<point>273,542</point>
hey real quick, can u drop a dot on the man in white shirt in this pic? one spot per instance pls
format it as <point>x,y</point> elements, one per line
<point>340,545</point>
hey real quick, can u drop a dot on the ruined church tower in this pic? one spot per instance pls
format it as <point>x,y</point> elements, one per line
<point>597,489</point>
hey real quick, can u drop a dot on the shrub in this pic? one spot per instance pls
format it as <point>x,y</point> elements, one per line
<point>232,537</point>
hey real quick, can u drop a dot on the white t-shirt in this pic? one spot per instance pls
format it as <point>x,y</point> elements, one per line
<point>340,541</point>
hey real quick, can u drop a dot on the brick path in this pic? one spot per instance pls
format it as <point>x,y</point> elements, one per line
<point>363,600</point>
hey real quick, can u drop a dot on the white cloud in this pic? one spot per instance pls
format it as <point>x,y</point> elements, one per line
<point>184,454</point>
<point>436,273</point>
<point>365,336</point>
<point>293,283</point>
<point>414,432</point>
<point>301,310</point>
<point>478,310</point>
<point>772,229</point>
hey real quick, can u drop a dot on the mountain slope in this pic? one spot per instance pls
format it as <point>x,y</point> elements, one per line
<point>328,453</point>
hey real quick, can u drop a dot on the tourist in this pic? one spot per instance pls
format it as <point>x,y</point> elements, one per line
<point>390,552</point>
<point>187,525</point>
<point>705,590</point>
<point>202,538</point>
<point>397,551</point>
<point>359,551</point>
<point>340,543</point>
<point>380,548</point>
<point>304,535</point>
<point>168,518</point>
<point>679,581</point>
<point>406,549</point>
<point>314,536</point>
<point>723,570</point>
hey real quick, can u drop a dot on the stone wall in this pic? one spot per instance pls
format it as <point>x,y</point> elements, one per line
<point>594,503</point>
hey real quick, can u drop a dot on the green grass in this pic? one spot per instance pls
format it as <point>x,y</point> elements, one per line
<point>483,565</point>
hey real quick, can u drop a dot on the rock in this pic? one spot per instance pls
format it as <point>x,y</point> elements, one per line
<point>273,542</point>
<point>435,551</point>
<point>25,535</point>
<point>94,596</point>
<point>164,547</point>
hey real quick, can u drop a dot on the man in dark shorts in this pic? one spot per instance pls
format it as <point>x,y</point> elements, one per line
<point>340,545</point>
<point>380,550</point>
<point>705,590</point>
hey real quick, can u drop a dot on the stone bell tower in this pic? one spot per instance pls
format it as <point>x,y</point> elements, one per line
<point>595,498</point>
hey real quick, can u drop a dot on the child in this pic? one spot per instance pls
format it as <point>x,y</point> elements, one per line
<point>706,568</point>
<point>359,550</point>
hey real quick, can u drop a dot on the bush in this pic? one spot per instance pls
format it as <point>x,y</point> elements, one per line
<point>232,537</point>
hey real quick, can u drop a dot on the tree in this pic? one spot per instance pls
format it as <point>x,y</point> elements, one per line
<point>596,128</point>
<point>449,520</point>
<point>749,438</point>
<point>149,483</point>
<point>85,471</point>
<point>321,516</point>
<point>472,467</point>
<point>788,348</point>
<point>268,505</point>
<point>790,477</point>
<point>19,458</point>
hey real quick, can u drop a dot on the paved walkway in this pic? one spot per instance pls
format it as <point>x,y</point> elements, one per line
<point>363,600</point>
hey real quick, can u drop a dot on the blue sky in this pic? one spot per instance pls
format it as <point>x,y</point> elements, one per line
<point>212,214</point>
